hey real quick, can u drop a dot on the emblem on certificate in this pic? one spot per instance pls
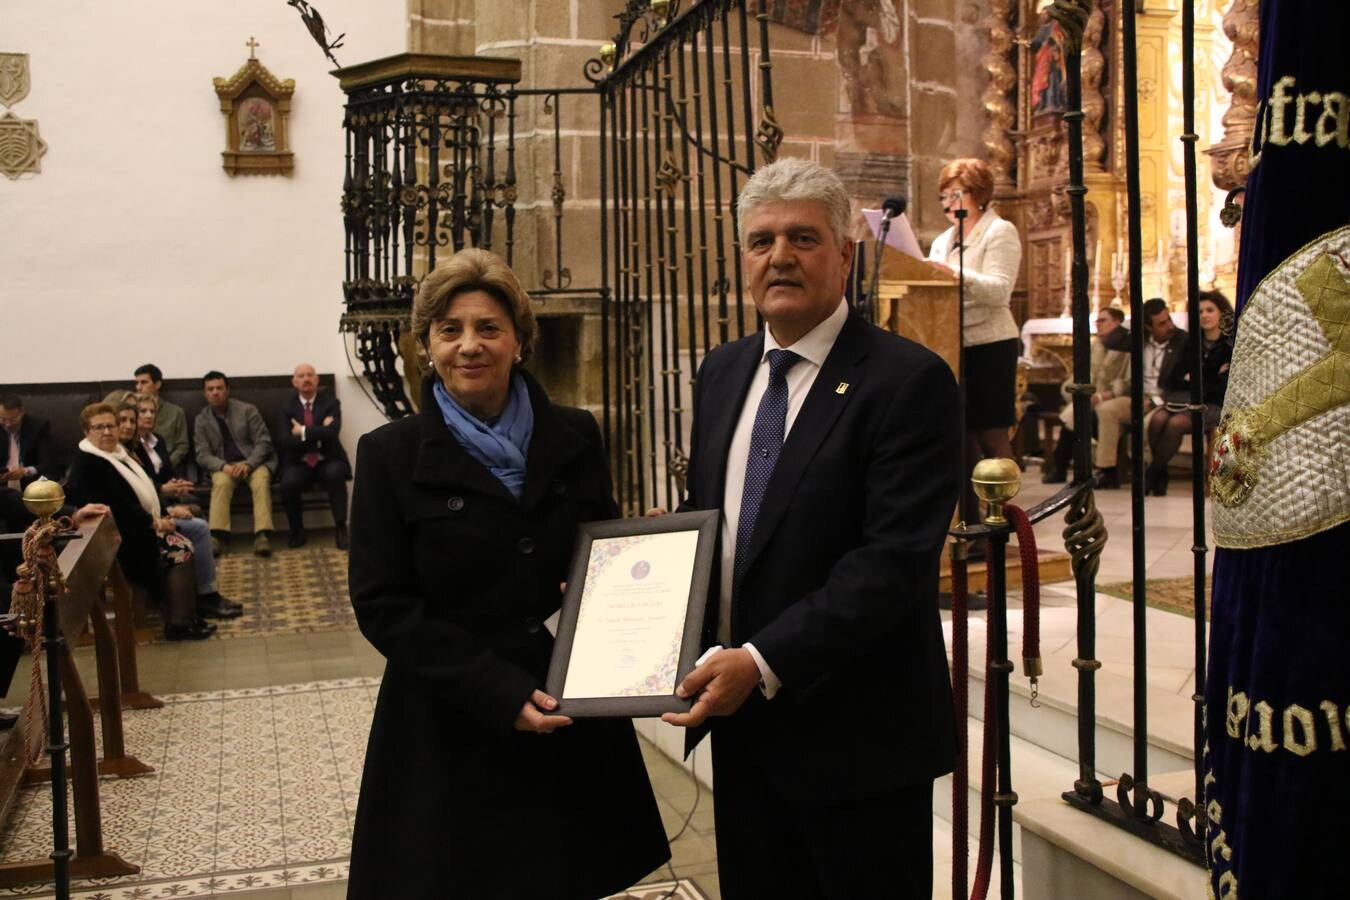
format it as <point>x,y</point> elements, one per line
<point>630,625</point>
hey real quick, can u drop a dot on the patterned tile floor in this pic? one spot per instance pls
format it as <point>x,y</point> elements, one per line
<point>255,790</point>
<point>292,592</point>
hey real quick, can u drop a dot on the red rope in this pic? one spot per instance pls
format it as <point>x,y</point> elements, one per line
<point>960,684</point>
<point>1031,591</point>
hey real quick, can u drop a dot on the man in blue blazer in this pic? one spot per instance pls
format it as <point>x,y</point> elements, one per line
<point>830,447</point>
<point>307,434</point>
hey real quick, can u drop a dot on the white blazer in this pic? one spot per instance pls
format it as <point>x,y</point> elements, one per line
<point>993,256</point>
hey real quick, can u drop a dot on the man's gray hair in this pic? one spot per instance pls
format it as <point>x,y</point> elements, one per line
<point>792,179</point>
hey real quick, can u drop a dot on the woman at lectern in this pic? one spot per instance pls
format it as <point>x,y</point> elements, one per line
<point>463,523</point>
<point>993,255</point>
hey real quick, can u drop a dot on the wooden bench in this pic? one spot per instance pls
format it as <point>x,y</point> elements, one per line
<point>90,569</point>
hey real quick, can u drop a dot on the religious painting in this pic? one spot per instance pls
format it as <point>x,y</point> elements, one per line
<point>1049,78</point>
<point>257,131</point>
<point>255,104</point>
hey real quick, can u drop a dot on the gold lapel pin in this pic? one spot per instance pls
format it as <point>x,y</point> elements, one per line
<point>843,386</point>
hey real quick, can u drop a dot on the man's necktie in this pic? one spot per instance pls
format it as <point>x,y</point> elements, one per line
<point>766,440</point>
<point>14,461</point>
<point>311,458</point>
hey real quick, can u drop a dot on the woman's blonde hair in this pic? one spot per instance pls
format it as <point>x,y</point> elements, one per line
<point>974,176</point>
<point>140,400</point>
<point>474,270</point>
<point>95,409</point>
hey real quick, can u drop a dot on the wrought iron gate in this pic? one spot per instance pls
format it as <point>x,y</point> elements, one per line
<point>685,103</point>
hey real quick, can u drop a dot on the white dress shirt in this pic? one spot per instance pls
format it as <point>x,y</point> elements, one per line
<point>812,347</point>
<point>150,442</point>
<point>1153,357</point>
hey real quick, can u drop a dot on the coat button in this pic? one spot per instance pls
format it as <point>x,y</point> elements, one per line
<point>525,545</point>
<point>533,624</point>
<point>455,504</point>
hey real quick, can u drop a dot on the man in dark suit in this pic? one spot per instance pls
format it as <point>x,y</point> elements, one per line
<point>830,447</point>
<point>27,453</point>
<point>310,451</point>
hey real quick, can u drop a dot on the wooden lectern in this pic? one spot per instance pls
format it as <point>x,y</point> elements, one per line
<point>919,302</point>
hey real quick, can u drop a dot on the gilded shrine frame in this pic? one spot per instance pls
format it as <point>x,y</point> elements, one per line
<point>256,105</point>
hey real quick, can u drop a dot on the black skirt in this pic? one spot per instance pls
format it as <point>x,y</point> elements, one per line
<point>990,375</point>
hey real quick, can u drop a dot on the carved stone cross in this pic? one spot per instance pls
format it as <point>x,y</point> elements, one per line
<point>252,46</point>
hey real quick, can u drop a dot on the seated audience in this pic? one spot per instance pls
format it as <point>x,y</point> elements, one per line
<point>1110,375</point>
<point>1164,344</point>
<point>311,452</point>
<point>209,601</point>
<point>172,427</point>
<point>233,446</point>
<point>28,450</point>
<point>151,449</point>
<point>1172,421</point>
<point>153,555</point>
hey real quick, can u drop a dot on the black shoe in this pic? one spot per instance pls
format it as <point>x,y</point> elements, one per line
<point>1158,486</point>
<point>214,606</point>
<point>340,538</point>
<point>220,542</point>
<point>1051,475</point>
<point>297,538</point>
<point>1108,480</point>
<point>197,631</point>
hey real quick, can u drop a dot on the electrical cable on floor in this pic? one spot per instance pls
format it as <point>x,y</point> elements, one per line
<point>670,864</point>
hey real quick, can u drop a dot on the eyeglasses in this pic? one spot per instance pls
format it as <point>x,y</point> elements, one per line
<point>950,197</point>
<point>112,427</point>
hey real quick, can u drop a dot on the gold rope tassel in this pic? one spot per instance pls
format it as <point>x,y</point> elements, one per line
<point>39,580</point>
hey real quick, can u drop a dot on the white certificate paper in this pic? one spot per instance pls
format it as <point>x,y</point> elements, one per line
<point>631,621</point>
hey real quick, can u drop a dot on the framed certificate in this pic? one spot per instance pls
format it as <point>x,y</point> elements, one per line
<point>632,616</point>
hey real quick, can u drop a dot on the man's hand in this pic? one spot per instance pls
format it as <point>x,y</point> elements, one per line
<point>89,511</point>
<point>656,511</point>
<point>237,470</point>
<point>532,717</point>
<point>719,687</point>
<point>327,420</point>
<point>14,474</point>
<point>296,428</point>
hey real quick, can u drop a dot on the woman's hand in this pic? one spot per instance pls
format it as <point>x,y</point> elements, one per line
<point>165,526</point>
<point>179,512</point>
<point>89,511</point>
<point>942,267</point>
<point>178,487</point>
<point>533,718</point>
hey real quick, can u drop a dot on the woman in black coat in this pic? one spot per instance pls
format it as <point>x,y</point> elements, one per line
<point>464,519</point>
<point>152,555</point>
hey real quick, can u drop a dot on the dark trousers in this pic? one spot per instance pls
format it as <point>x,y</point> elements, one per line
<point>295,477</point>
<point>770,847</point>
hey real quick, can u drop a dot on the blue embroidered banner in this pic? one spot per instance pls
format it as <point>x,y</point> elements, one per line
<point>1278,691</point>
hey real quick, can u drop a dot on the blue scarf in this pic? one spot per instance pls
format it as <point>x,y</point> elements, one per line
<point>500,445</point>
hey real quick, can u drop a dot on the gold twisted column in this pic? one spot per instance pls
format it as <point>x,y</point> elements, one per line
<point>1230,164</point>
<point>997,100</point>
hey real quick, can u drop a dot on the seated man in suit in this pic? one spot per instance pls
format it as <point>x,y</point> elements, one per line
<point>27,452</point>
<point>1110,369</point>
<point>1164,349</point>
<point>310,451</point>
<point>171,421</point>
<point>233,445</point>
<point>831,448</point>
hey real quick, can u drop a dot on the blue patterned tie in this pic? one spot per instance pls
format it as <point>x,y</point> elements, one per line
<point>766,440</point>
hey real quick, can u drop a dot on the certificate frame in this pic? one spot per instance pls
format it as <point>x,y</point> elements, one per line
<point>704,523</point>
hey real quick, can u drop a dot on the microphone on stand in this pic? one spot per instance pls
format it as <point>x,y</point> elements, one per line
<point>892,207</point>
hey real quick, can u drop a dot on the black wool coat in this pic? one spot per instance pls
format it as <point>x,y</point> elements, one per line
<point>92,479</point>
<point>451,578</point>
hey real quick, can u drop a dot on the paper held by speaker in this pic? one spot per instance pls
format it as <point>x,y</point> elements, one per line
<point>900,236</point>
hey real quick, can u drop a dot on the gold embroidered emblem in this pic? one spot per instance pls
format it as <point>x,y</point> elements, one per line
<point>843,387</point>
<point>1245,434</point>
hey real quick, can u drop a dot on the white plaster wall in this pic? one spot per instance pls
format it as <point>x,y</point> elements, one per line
<point>133,244</point>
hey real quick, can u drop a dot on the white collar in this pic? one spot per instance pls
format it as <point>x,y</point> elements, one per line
<point>816,344</point>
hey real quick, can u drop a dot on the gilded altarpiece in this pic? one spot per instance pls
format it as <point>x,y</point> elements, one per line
<point>1027,146</point>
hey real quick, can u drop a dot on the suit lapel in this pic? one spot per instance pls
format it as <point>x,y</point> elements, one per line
<point>818,414</point>
<point>725,412</point>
